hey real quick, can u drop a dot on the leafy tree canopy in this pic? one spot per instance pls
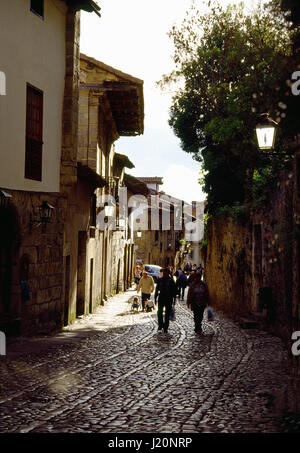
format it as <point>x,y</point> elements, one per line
<point>231,64</point>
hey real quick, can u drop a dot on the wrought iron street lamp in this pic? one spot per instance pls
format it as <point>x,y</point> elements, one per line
<point>121,223</point>
<point>108,210</point>
<point>45,210</point>
<point>4,198</point>
<point>266,132</point>
<point>45,214</point>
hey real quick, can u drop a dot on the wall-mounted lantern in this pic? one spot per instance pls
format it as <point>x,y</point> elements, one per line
<point>139,234</point>
<point>108,210</point>
<point>121,223</point>
<point>4,198</point>
<point>266,132</point>
<point>45,214</point>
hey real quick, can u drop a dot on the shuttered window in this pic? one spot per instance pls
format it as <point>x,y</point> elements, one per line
<point>34,134</point>
<point>93,210</point>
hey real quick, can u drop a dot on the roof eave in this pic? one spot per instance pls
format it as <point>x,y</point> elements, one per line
<point>123,160</point>
<point>88,175</point>
<point>87,5</point>
<point>127,82</point>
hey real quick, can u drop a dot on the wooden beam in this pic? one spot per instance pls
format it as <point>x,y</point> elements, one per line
<point>107,86</point>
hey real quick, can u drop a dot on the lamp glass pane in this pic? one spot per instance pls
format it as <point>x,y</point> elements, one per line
<point>265,137</point>
<point>121,223</point>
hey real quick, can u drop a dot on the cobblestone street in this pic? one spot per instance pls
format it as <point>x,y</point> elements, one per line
<point>112,372</point>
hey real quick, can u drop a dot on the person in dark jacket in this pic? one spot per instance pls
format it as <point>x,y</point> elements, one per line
<point>181,284</point>
<point>166,294</point>
<point>197,299</point>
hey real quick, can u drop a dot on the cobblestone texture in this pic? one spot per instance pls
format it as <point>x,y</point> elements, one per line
<point>112,372</point>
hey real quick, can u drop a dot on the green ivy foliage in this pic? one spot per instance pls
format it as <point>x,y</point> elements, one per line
<point>233,66</point>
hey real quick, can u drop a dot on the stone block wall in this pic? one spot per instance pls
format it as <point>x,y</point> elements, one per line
<point>228,266</point>
<point>240,259</point>
<point>68,171</point>
<point>38,259</point>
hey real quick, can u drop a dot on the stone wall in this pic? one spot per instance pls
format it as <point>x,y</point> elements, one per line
<point>68,169</point>
<point>263,253</point>
<point>228,266</point>
<point>296,277</point>
<point>38,260</point>
<point>240,259</point>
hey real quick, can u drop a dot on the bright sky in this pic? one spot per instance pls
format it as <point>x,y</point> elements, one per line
<point>132,36</point>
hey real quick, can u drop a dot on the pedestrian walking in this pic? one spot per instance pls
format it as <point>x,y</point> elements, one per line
<point>187,267</point>
<point>191,277</point>
<point>197,299</point>
<point>166,294</point>
<point>146,286</point>
<point>178,272</point>
<point>181,284</point>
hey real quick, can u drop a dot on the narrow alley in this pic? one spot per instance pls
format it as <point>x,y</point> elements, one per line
<point>112,372</point>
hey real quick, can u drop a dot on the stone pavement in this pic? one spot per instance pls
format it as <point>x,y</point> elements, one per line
<point>112,372</point>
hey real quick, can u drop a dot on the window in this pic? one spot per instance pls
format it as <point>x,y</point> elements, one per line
<point>34,134</point>
<point>37,7</point>
<point>93,211</point>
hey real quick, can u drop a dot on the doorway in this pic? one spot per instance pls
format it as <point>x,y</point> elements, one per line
<point>9,245</point>
<point>67,290</point>
<point>91,284</point>
<point>118,277</point>
<point>81,273</point>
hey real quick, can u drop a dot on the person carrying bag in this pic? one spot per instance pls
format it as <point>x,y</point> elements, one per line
<point>198,299</point>
<point>166,294</point>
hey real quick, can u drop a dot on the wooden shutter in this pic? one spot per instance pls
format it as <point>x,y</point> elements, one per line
<point>34,134</point>
<point>93,210</point>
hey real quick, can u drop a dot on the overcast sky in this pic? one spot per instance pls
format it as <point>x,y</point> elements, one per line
<point>132,36</point>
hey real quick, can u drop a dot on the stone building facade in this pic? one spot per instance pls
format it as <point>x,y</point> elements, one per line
<point>169,243</point>
<point>98,255</point>
<point>55,261</point>
<point>37,156</point>
<point>158,241</point>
